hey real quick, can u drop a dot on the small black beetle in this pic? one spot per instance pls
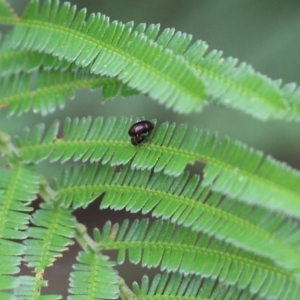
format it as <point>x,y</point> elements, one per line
<point>139,131</point>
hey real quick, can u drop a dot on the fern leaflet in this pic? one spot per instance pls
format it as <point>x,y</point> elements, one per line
<point>13,61</point>
<point>28,288</point>
<point>179,249</point>
<point>45,91</point>
<point>18,187</point>
<point>93,278</point>
<point>231,167</point>
<point>181,200</point>
<point>230,84</point>
<point>53,231</point>
<point>55,226</point>
<point>179,286</point>
<point>112,49</point>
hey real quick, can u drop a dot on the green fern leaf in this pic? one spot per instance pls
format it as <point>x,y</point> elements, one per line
<point>28,288</point>
<point>179,249</point>
<point>179,286</point>
<point>53,232</point>
<point>18,187</point>
<point>45,91</point>
<point>237,86</point>
<point>181,200</point>
<point>110,49</point>
<point>230,84</point>
<point>79,130</point>
<point>93,278</point>
<point>231,167</point>
<point>14,61</point>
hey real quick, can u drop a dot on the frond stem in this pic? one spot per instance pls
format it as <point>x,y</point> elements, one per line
<point>125,292</point>
<point>82,237</point>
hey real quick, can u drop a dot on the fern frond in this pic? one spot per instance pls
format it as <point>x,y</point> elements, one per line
<point>179,286</point>
<point>18,187</point>
<point>80,131</point>
<point>93,278</point>
<point>181,200</point>
<point>7,15</point>
<point>53,232</point>
<point>283,228</point>
<point>44,91</point>
<point>236,86</point>
<point>231,167</point>
<point>112,49</point>
<point>10,258</point>
<point>175,248</point>
<point>231,84</point>
<point>14,61</point>
<point>228,83</point>
<point>28,288</point>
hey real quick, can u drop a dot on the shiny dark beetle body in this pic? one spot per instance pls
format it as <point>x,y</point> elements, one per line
<point>140,131</point>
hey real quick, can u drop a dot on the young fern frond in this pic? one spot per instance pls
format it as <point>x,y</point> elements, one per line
<point>112,49</point>
<point>93,278</point>
<point>181,200</point>
<point>180,286</point>
<point>18,187</point>
<point>176,248</point>
<point>44,91</point>
<point>231,167</point>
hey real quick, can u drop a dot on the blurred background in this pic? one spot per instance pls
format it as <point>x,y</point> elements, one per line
<point>265,34</point>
